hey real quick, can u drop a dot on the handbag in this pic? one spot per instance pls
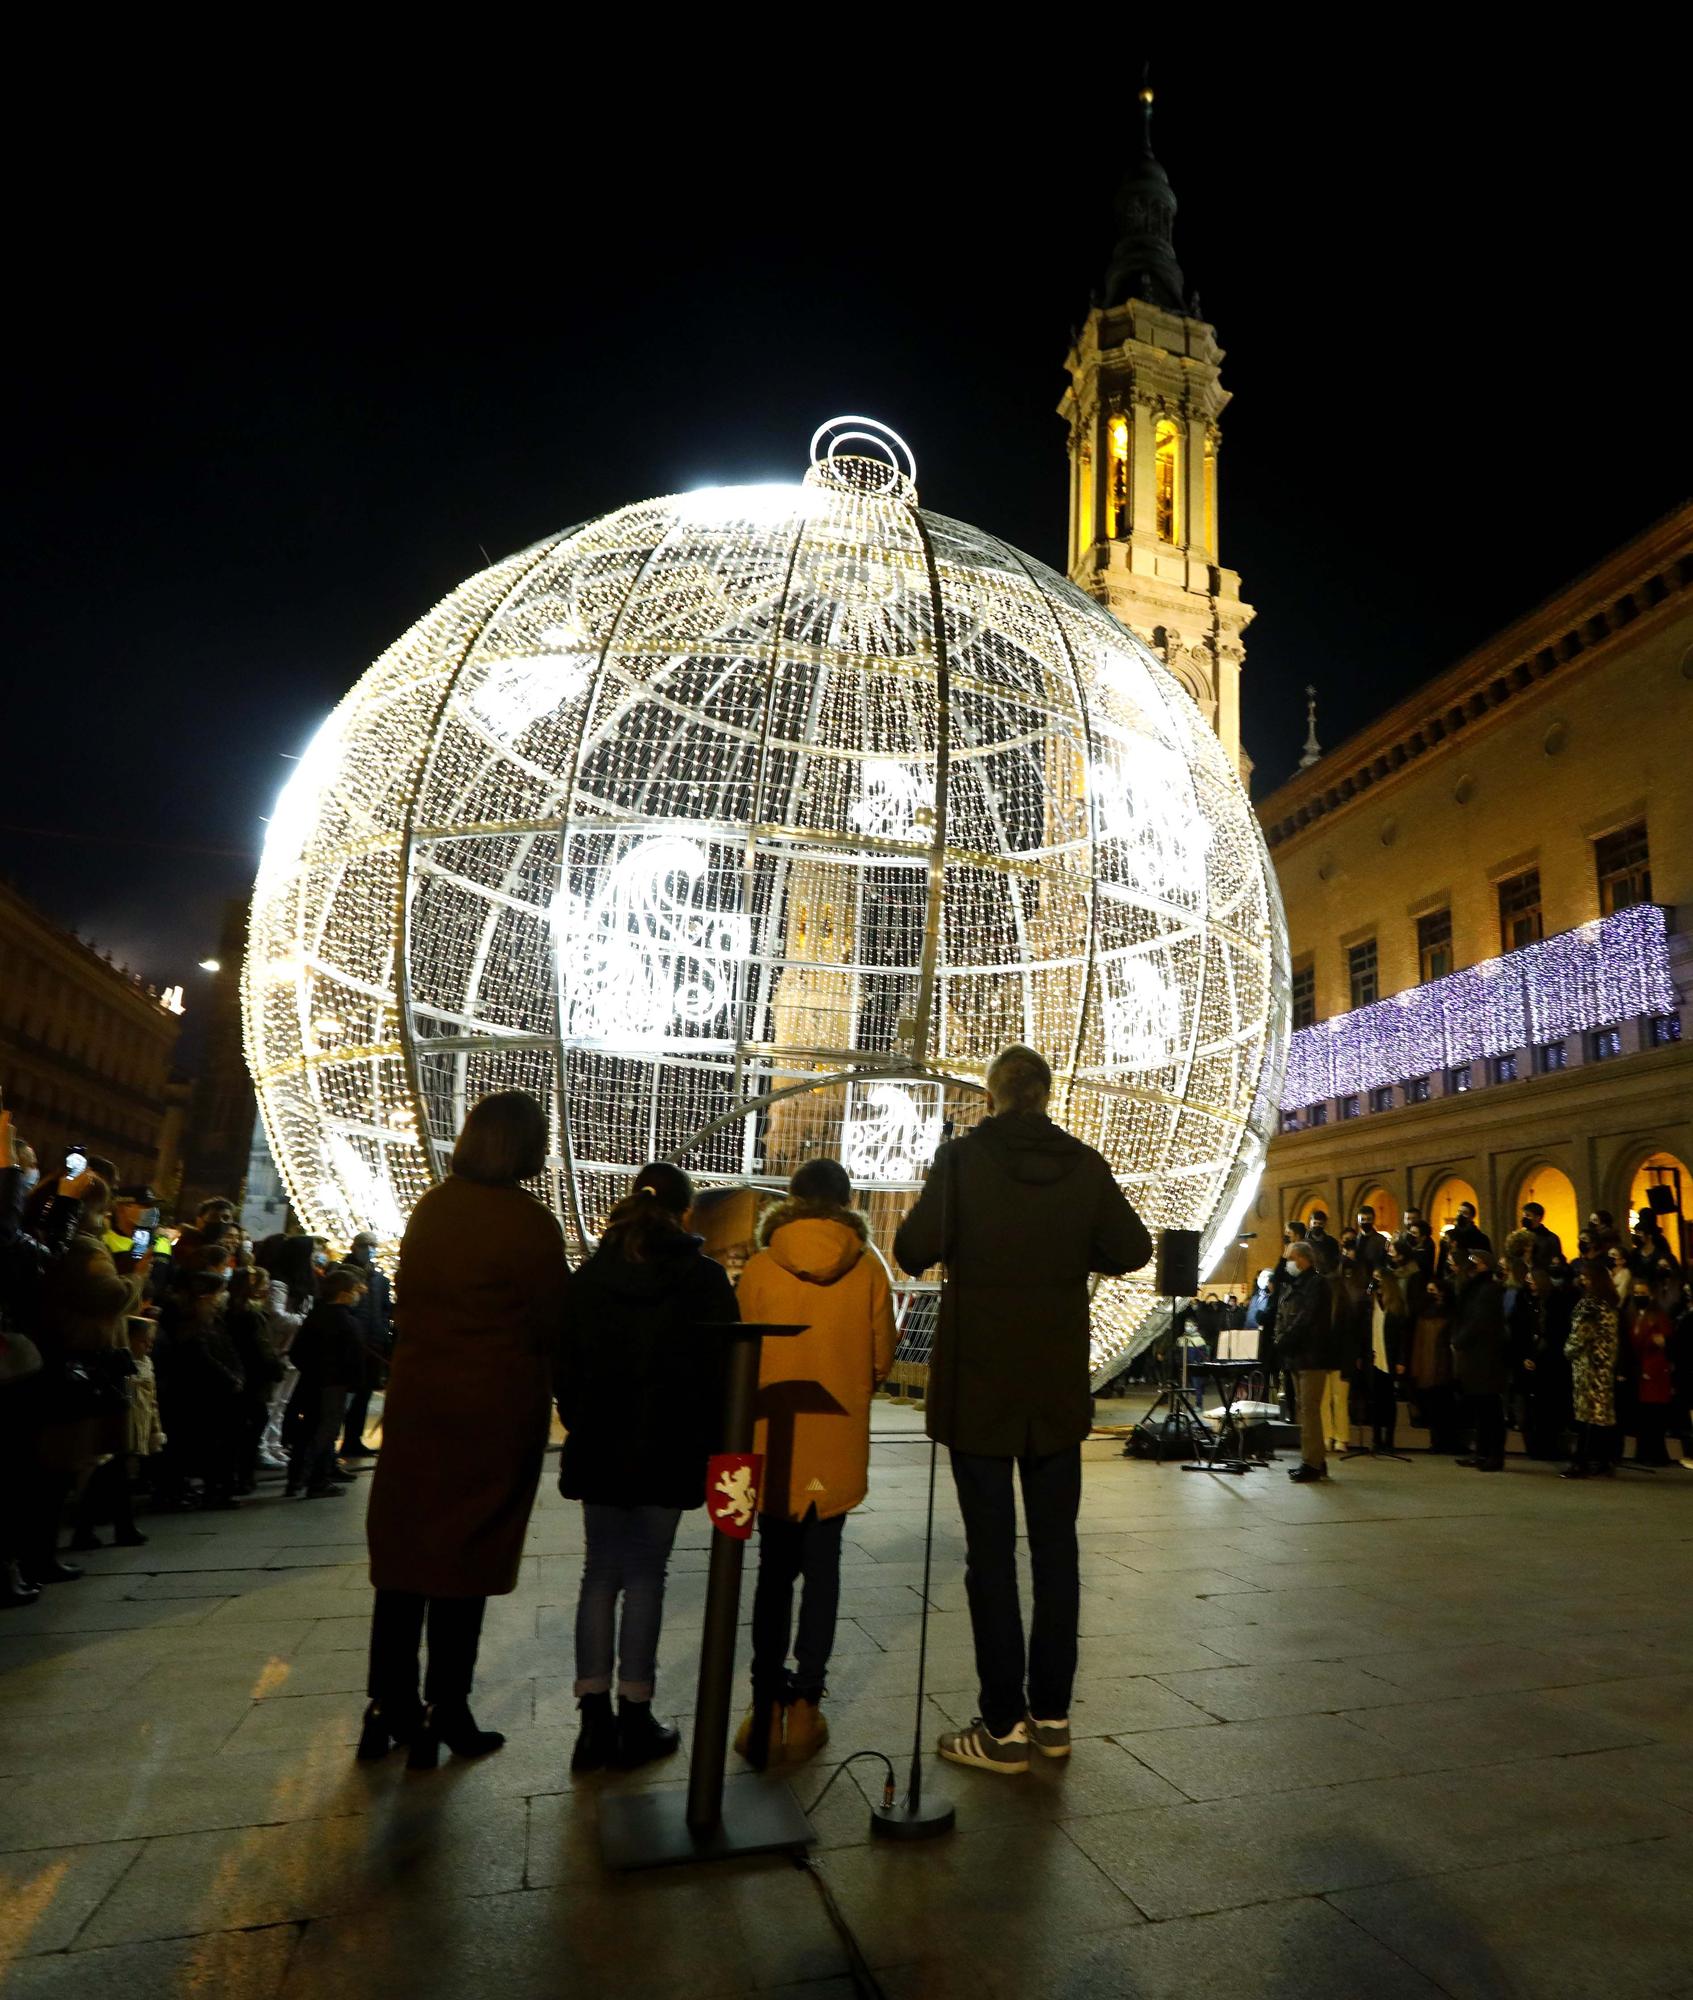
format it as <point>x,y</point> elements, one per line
<point>89,1386</point>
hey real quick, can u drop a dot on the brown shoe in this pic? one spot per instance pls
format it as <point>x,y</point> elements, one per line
<point>773,1747</point>
<point>808,1731</point>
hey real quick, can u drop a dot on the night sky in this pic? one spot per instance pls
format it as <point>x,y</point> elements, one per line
<point>296,358</point>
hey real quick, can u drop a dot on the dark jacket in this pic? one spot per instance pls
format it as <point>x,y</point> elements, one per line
<point>1546,1245</point>
<point>1022,1214</point>
<point>1325,1248</point>
<point>1458,1243</point>
<point>640,1377</point>
<point>479,1303</point>
<point>1478,1337</point>
<point>1373,1249</point>
<point>248,1328</point>
<point>1306,1334</point>
<point>375,1309</point>
<point>329,1349</point>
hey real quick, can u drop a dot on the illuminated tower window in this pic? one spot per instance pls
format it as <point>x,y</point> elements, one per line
<point>1167,479</point>
<point>1211,497</point>
<point>1117,487</point>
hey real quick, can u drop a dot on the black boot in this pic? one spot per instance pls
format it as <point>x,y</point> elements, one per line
<point>454,1725</point>
<point>386,1724</point>
<point>640,1740</point>
<point>597,1742</point>
<point>14,1592</point>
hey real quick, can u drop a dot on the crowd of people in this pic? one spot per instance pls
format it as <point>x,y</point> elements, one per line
<point>1577,1351</point>
<point>191,1365</point>
<point>180,1365</point>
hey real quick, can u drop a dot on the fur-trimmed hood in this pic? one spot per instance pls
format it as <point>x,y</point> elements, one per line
<point>814,1240</point>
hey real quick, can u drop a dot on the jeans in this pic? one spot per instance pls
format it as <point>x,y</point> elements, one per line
<point>1052,1497</point>
<point>808,1549</point>
<point>628,1553</point>
<point>1313,1385</point>
<point>396,1636</point>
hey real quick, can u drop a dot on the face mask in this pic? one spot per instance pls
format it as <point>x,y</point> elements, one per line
<point>1291,1266</point>
<point>30,1176</point>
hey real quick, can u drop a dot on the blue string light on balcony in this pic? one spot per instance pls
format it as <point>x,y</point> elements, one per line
<point>1591,977</point>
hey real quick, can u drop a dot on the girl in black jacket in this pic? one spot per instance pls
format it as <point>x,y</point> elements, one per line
<point>640,1394</point>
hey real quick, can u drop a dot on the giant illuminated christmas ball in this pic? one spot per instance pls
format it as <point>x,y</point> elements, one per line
<point>745,826</point>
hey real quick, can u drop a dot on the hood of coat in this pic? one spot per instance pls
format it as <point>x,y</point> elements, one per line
<point>674,1265</point>
<point>1031,1148</point>
<point>813,1240</point>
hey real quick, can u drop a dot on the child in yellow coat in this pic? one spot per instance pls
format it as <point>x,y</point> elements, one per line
<point>816,1267</point>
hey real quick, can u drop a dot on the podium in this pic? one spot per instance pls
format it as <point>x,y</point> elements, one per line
<point>717,1819</point>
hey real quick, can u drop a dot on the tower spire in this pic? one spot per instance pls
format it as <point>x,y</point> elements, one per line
<point>1313,749</point>
<point>1143,265</point>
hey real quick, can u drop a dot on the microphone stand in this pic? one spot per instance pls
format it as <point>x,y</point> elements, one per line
<point>910,1818</point>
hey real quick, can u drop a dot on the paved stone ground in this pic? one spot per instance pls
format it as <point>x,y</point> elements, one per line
<point>1420,1731</point>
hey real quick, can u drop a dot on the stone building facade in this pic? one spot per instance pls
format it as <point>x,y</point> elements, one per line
<point>85,1050</point>
<point>1488,1002</point>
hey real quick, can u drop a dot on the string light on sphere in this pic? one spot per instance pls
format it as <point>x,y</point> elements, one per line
<point>746,826</point>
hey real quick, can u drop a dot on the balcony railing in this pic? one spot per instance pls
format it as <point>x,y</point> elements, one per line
<point>1592,977</point>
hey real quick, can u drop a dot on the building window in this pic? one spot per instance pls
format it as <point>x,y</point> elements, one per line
<point>1317,1114</point>
<point>1382,1099</point>
<point>1117,477</point>
<point>1416,1090</point>
<point>1625,869</point>
<point>1519,910</point>
<point>1349,1107</point>
<point>1551,1056</point>
<point>1434,945</point>
<point>1167,479</point>
<point>1503,1069</point>
<point>1458,1079</point>
<point>1604,1043</point>
<point>1290,1121</point>
<point>1211,497</point>
<point>1304,996</point>
<point>1664,1029</point>
<point>1361,973</point>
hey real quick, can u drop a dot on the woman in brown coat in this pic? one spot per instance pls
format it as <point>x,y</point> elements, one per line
<point>479,1310</point>
<point>86,1307</point>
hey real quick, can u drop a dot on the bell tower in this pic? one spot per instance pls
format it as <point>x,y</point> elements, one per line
<point>1143,408</point>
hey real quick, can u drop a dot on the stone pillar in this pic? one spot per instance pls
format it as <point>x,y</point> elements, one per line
<point>1143,512</point>
<point>1193,487</point>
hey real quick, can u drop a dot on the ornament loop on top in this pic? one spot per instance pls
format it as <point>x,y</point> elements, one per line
<point>888,471</point>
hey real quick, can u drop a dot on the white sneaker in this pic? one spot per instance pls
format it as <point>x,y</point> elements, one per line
<point>979,1747</point>
<point>272,1462</point>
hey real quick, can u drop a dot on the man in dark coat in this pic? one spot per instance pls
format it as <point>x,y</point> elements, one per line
<point>1325,1251</point>
<point>1021,1213</point>
<point>1480,1354</point>
<point>1460,1242</point>
<point>1547,1244</point>
<point>1372,1246</point>
<point>1310,1347</point>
